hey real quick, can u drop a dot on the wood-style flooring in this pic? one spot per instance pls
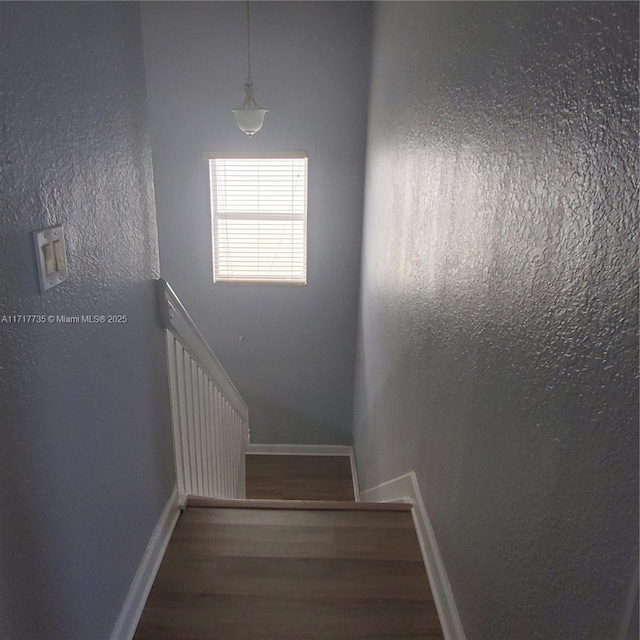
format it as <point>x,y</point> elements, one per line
<point>292,477</point>
<point>284,570</point>
<point>289,574</point>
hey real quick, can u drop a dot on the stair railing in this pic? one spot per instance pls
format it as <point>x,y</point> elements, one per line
<point>209,417</point>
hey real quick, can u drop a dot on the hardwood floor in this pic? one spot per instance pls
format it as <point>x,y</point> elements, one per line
<point>297,561</point>
<point>289,574</point>
<point>291,477</point>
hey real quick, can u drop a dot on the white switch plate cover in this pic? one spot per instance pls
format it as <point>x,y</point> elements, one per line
<point>60,272</point>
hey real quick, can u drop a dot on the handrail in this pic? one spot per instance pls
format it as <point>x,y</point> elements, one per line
<point>209,417</point>
<point>177,319</point>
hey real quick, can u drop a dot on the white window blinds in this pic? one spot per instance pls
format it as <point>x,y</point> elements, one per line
<point>259,219</point>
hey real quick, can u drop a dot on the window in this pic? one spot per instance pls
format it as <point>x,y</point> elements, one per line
<point>259,219</point>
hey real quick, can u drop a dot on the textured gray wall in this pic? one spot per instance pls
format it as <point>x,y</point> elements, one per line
<point>85,444</point>
<point>497,350</point>
<point>310,62</point>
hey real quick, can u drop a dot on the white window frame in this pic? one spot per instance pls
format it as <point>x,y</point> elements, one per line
<point>294,214</point>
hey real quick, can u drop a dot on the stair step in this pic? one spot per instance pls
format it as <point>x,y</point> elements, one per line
<point>280,573</point>
<point>322,505</point>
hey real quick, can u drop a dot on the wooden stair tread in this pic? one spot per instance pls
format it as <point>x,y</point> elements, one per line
<point>291,574</point>
<point>298,477</point>
<point>320,505</point>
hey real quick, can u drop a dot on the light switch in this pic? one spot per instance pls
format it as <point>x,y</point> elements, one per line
<point>58,253</point>
<point>51,256</point>
<point>49,262</point>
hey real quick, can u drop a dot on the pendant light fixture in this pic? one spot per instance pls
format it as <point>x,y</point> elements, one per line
<point>250,117</point>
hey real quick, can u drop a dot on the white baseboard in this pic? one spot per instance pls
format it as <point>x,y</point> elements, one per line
<point>299,449</point>
<point>629,624</point>
<point>406,488</point>
<point>131,611</point>
<point>354,475</point>
<point>309,450</point>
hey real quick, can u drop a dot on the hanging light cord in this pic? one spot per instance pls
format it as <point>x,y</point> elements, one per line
<point>248,44</point>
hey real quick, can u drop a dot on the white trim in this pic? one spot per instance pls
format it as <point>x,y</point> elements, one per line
<point>400,488</point>
<point>254,155</point>
<point>176,319</point>
<point>354,476</point>
<point>299,449</point>
<point>134,603</point>
<point>174,405</point>
<point>406,488</point>
<point>631,606</point>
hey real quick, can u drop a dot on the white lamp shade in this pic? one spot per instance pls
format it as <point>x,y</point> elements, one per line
<point>249,120</point>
